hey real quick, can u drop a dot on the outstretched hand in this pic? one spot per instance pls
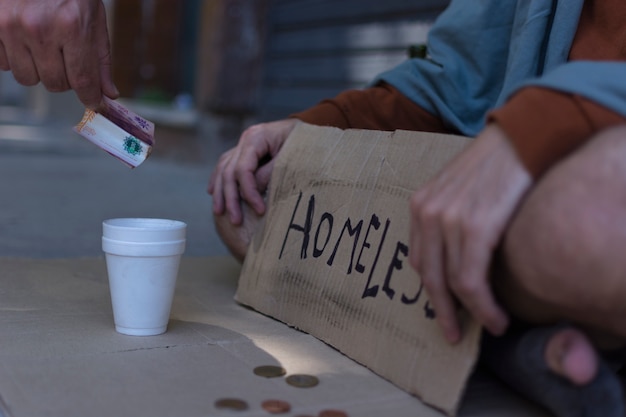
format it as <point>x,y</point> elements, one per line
<point>64,44</point>
<point>243,172</point>
<point>457,221</point>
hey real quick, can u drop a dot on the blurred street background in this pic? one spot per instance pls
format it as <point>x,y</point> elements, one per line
<point>202,70</point>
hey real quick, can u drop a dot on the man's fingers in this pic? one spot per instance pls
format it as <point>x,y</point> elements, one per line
<point>106,80</point>
<point>432,272</point>
<point>217,194</point>
<point>264,174</point>
<point>82,60</point>
<point>249,190</point>
<point>212,182</point>
<point>229,189</point>
<point>63,44</point>
<point>23,66</point>
<point>37,33</point>
<point>451,225</point>
<point>83,73</point>
<point>245,181</point>
<point>103,48</point>
<point>232,202</point>
<point>247,166</point>
<point>473,289</point>
<point>51,68</point>
<point>238,178</point>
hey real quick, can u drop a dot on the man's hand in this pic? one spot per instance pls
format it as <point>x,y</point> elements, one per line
<point>457,220</point>
<point>244,171</point>
<point>62,43</point>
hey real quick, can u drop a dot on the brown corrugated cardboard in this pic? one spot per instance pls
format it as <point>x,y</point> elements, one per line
<point>331,257</point>
<point>61,357</point>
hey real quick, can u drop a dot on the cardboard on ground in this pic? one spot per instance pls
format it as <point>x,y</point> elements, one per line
<point>61,357</point>
<point>331,257</point>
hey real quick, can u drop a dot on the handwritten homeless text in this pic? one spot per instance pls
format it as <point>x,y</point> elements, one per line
<point>316,237</point>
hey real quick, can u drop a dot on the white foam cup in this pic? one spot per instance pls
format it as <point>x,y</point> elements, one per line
<point>143,230</point>
<point>142,258</point>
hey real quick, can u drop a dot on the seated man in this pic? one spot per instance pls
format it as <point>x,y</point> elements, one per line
<point>525,227</point>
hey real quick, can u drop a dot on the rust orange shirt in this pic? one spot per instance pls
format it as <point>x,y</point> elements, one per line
<point>545,125</point>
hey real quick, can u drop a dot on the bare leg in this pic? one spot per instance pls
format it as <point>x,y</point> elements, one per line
<point>563,260</point>
<point>565,249</point>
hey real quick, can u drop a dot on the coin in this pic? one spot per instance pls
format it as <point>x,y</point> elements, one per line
<point>333,413</point>
<point>269,371</point>
<point>302,380</point>
<point>231,404</point>
<point>276,406</point>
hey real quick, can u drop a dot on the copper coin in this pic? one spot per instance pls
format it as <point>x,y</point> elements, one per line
<point>302,380</point>
<point>231,404</point>
<point>269,371</point>
<point>276,406</point>
<point>333,413</point>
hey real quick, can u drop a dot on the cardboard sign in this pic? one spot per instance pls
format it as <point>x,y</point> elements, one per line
<point>331,257</point>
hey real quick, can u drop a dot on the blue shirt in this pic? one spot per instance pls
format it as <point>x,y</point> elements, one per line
<point>480,52</point>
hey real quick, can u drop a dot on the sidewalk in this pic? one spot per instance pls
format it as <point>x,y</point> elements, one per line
<point>57,187</point>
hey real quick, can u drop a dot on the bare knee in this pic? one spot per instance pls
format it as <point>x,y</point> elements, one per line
<point>564,248</point>
<point>237,238</point>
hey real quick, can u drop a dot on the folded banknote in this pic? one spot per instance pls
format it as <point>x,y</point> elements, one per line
<point>119,131</point>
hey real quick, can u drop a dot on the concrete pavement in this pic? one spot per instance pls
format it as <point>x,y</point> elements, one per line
<point>56,188</point>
